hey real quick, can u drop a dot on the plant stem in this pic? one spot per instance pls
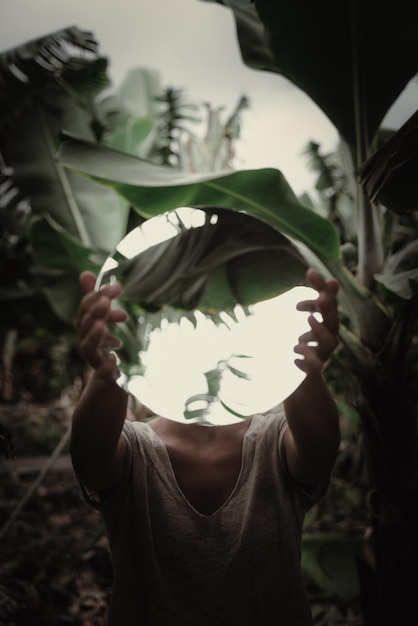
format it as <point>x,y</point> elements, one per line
<point>370,249</point>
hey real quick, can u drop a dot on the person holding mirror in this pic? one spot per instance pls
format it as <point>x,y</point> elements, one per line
<point>204,523</point>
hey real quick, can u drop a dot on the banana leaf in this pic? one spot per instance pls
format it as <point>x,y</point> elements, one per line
<point>330,561</point>
<point>66,55</point>
<point>59,259</point>
<point>131,114</point>
<point>46,85</point>
<point>389,176</point>
<point>334,51</point>
<point>400,272</point>
<point>154,189</point>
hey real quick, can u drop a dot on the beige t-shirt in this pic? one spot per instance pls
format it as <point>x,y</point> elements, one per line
<point>239,566</point>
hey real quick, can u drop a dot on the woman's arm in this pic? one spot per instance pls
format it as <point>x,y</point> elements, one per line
<point>313,437</point>
<point>97,447</point>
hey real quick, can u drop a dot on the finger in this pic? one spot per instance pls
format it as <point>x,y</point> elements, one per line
<point>308,338</point>
<point>110,342</point>
<point>309,368</point>
<point>319,283</point>
<point>326,341</point>
<point>90,341</point>
<point>116,316</point>
<point>87,281</point>
<point>93,307</point>
<point>93,339</point>
<point>310,363</point>
<point>319,340</point>
<point>92,327</point>
<point>98,304</point>
<point>326,300</point>
<point>310,306</point>
<point>327,307</point>
<point>325,304</point>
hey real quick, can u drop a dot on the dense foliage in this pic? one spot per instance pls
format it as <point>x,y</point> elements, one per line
<point>84,187</point>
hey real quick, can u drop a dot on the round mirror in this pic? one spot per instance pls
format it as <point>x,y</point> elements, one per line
<point>200,345</point>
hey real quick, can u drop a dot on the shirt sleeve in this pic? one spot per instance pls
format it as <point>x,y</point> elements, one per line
<point>101,500</point>
<point>308,496</point>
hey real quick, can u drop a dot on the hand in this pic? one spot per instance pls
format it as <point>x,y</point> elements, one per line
<point>317,345</point>
<point>94,316</point>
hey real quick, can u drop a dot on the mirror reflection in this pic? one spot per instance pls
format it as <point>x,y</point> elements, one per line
<point>192,360</point>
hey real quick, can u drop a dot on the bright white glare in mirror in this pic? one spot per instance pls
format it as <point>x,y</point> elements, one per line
<point>179,355</point>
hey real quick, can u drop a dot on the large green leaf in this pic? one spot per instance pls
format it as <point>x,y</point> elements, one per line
<point>54,89</point>
<point>335,52</point>
<point>404,284</point>
<point>153,189</point>
<point>132,136</point>
<point>59,259</point>
<point>131,119</point>
<point>330,561</point>
<point>131,114</point>
<point>389,176</point>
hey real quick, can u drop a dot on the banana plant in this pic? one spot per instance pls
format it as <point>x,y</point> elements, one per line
<point>46,85</point>
<point>54,69</point>
<point>60,81</point>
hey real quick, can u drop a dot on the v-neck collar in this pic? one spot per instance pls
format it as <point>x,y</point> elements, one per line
<point>169,465</point>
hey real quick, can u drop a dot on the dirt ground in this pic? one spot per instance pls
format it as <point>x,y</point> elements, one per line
<point>54,563</point>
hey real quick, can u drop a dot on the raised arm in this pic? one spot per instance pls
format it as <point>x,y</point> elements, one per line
<point>313,436</point>
<point>97,447</point>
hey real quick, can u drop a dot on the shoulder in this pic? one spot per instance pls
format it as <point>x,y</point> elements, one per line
<point>134,431</point>
<point>267,433</point>
<point>272,422</point>
<point>138,437</point>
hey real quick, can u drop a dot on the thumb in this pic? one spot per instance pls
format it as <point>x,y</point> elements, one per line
<point>87,281</point>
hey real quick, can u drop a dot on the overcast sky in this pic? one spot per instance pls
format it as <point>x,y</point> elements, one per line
<point>193,46</point>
